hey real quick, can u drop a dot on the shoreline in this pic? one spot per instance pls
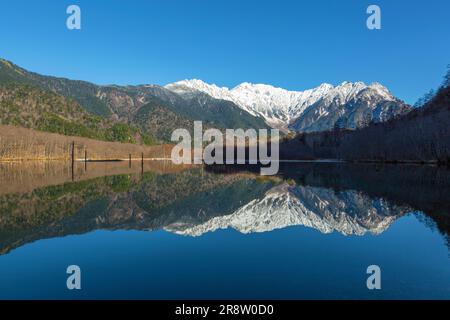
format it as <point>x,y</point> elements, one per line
<point>139,159</point>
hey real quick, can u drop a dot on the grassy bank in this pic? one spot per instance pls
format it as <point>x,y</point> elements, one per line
<point>17,143</point>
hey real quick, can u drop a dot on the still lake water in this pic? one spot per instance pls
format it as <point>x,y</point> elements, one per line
<point>168,232</point>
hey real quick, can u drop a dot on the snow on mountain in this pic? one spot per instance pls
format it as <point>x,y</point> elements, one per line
<point>280,108</point>
<point>347,212</point>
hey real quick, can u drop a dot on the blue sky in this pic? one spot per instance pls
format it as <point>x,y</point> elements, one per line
<point>291,44</point>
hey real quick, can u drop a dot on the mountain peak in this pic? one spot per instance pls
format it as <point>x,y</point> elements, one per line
<point>196,84</point>
<point>378,86</point>
<point>325,86</point>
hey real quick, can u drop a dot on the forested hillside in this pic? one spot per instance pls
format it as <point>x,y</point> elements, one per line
<point>30,107</point>
<point>83,92</point>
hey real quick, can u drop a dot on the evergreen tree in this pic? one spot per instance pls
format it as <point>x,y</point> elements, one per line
<point>425,99</point>
<point>446,82</point>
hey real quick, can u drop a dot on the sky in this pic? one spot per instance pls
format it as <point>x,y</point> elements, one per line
<point>294,44</point>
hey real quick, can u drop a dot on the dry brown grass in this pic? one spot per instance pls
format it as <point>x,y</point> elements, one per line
<point>17,143</point>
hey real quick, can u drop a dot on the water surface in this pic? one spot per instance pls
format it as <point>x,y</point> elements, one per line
<point>170,232</point>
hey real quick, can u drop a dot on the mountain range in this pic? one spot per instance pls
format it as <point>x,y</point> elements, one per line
<point>158,110</point>
<point>155,110</point>
<point>348,105</point>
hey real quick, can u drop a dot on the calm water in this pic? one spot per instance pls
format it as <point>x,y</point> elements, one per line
<point>164,232</point>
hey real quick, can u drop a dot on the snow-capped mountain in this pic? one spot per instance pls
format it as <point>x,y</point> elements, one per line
<point>346,212</point>
<point>349,105</point>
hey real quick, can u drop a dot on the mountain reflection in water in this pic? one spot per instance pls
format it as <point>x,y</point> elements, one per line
<point>352,199</point>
